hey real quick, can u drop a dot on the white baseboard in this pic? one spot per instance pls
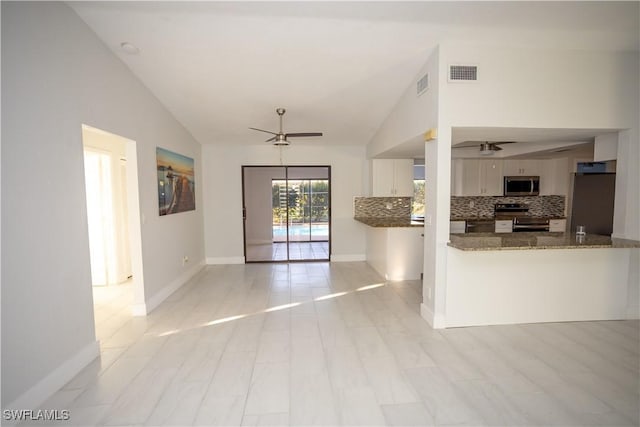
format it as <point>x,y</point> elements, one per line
<point>163,294</point>
<point>436,322</point>
<point>348,258</point>
<point>225,260</point>
<point>39,393</point>
<point>260,242</point>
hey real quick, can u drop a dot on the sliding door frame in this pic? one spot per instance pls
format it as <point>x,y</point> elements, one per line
<point>286,174</point>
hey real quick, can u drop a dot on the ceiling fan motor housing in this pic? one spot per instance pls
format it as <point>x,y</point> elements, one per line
<point>280,139</point>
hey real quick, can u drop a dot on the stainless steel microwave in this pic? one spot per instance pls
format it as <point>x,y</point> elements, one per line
<point>521,185</point>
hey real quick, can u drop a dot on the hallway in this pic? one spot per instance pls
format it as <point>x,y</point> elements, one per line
<point>333,344</point>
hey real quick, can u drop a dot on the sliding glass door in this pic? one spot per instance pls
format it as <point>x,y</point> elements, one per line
<point>298,210</point>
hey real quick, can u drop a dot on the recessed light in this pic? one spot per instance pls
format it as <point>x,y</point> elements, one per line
<point>129,48</point>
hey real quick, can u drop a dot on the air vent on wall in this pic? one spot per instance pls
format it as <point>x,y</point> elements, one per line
<point>463,73</point>
<point>423,84</point>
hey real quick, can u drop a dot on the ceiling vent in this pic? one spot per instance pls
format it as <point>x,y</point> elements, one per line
<point>463,73</point>
<point>423,84</point>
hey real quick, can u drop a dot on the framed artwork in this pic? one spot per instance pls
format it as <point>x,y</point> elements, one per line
<point>176,182</point>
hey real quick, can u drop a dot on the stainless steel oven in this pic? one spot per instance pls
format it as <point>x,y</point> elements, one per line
<point>521,185</point>
<point>530,224</point>
<point>519,214</point>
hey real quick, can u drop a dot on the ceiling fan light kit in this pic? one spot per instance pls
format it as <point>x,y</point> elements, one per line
<point>280,138</point>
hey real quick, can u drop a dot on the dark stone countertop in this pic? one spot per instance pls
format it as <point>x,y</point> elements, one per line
<point>380,222</point>
<point>535,240</point>
<point>492,218</point>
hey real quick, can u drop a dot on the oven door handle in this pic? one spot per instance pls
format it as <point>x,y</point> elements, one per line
<point>534,226</point>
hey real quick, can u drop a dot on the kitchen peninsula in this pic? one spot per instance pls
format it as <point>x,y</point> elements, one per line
<point>395,245</point>
<point>495,278</point>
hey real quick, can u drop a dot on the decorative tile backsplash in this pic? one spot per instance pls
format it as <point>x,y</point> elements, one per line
<point>382,207</point>
<point>483,205</point>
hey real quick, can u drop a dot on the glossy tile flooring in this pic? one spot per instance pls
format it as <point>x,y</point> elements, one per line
<point>332,344</point>
<point>297,251</point>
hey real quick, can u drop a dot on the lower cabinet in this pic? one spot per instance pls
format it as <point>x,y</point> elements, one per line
<point>558,225</point>
<point>504,226</point>
<point>396,253</point>
<point>457,227</point>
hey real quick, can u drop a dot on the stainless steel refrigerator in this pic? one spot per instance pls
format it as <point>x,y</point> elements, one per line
<point>592,202</point>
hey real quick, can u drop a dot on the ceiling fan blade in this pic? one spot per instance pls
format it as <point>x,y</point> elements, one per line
<point>299,134</point>
<point>467,146</point>
<point>496,148</point>
<point>271,139</point>
<point>266,131</point>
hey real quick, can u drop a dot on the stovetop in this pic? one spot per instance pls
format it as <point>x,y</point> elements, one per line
<point>504,211</point>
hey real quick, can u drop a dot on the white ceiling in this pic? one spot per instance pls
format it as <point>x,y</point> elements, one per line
<point>338,68</point>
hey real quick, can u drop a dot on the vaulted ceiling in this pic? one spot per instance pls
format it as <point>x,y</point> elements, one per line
<point>337,67</point>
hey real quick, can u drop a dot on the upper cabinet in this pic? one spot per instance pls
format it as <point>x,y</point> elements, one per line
<point>554,177</point>
<point>476,177</point>
<point>480,177</point>
<point>522,167</point>
<point>392,177</point>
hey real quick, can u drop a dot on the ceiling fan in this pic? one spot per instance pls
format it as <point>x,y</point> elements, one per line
<point>280,138</point>
<point>487,148</point>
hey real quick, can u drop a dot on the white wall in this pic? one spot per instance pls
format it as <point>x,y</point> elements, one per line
<point>412,116</point>
<point>605,147</point>
<point>222,166</point>
<point>57,75</point>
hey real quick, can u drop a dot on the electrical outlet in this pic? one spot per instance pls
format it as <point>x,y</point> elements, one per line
<point>429,293</point>
<point>185,260</point>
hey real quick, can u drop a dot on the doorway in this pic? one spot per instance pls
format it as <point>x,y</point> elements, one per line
<point>287,213</point>
<point>113,218</point>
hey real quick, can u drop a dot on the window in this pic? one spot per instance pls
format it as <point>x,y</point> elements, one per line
<point>417,203</point>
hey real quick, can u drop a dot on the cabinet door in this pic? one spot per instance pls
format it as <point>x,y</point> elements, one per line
<point>558,225</point>
<point>554,177</point>
<point>382,177</point>
<point>521,167</point>
<point>530,167</point>
<point>403,177</point>
<point>491,177</point>
<point>470,177</point>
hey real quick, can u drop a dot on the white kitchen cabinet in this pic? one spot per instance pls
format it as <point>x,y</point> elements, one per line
<point>392,177</point>
<point>554,177</point>
<point>504,226</point>
<point>557,225</point>
<point>457,227</point>
<point>476,177</point>
<point>491,181</point>
<point>526,167</point>
<point>396,253</point>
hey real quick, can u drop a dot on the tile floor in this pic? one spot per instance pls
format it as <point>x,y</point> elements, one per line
<point>332,344</point>
<point>297,251</point>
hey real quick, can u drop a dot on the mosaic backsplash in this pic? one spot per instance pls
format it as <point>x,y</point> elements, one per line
<point>483,205</point>
<point>382,207</point>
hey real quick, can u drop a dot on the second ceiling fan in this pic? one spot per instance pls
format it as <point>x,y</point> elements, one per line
<point>280,138</point>
<point>487,148</point>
